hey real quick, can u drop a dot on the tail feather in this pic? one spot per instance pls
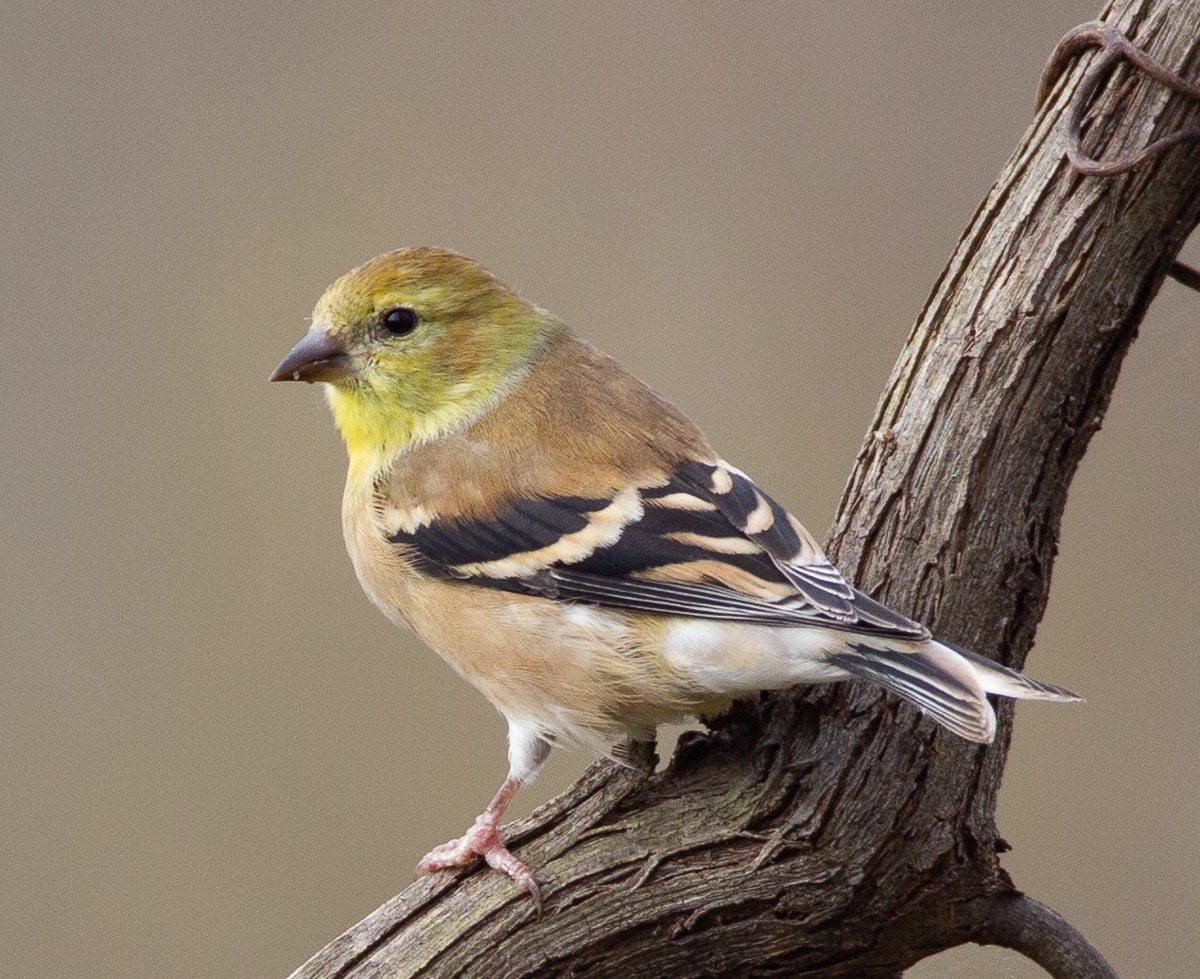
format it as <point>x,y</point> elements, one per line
<point>1009,683</point>
<point>946,682</point>
<point>936,680</point>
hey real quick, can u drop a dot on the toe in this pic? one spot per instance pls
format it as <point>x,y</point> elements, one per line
<point>482,840</point>
<point>455,853</point>
<point>501,858</point>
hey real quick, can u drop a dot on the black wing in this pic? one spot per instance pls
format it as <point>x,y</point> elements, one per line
<point>706,543</point>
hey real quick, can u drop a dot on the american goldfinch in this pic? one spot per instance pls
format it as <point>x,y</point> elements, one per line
<point>569,543</point>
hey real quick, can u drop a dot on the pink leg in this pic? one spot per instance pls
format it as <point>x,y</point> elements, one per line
<point>483,840</point>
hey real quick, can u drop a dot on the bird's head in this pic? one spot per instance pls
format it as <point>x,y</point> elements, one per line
<point>413,344</point>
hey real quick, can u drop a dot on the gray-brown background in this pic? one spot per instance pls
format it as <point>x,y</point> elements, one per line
<point>215,753</point>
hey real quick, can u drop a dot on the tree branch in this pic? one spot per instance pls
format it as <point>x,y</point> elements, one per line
<point>834,832</point>
<point>1184,275</point>
<point>1029,927</point>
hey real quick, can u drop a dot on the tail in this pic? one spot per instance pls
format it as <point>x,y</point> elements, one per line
<point>946,682</point>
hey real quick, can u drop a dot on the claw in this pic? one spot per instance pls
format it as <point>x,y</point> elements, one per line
<point>483,840</point>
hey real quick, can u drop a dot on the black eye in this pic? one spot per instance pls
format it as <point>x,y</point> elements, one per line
<point>399,321</point>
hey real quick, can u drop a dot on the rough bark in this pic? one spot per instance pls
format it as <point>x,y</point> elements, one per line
<point>834,832</point>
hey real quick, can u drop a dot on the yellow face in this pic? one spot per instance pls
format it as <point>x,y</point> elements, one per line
<point>412,344</point>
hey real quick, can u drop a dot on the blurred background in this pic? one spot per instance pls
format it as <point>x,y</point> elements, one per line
<point>215,753</point>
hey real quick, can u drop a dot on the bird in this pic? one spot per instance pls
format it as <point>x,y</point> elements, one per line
<point>567,540</point>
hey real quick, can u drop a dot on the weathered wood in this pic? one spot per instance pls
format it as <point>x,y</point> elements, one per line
<point>834,832</point>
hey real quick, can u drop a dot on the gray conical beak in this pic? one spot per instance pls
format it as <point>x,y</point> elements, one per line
<point>317,357</point>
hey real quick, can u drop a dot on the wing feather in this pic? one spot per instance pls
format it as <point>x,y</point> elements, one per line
<point>706,543</point>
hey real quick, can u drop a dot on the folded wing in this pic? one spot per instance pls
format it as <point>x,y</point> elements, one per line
<point>704,542</point>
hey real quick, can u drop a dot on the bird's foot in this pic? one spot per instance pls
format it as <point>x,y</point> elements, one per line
<point>482,840</point>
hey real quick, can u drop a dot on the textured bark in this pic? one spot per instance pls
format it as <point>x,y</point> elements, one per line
<point>834,832</point>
